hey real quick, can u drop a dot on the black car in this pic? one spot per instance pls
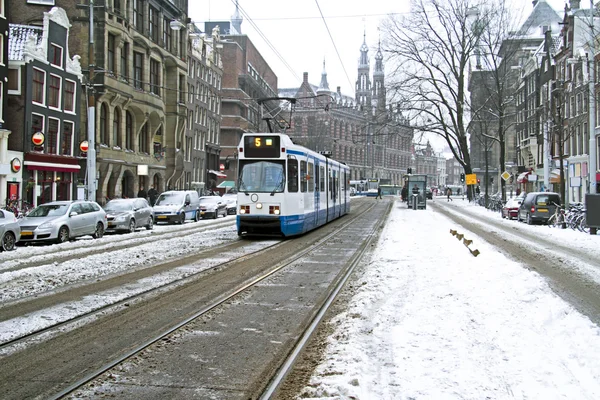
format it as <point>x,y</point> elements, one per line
<point>538,207</point>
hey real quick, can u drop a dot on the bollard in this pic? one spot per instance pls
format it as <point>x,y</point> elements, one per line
<point>460,236</point>
<point>467,242</point>
<point>452,232</point>
<point>474,252</point>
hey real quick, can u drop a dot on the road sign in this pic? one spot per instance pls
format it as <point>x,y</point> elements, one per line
<point>505,175</point>
<point>471,179</point>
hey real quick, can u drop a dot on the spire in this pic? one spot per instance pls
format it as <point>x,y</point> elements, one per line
<point>379,59</point>
<point>236,20</point>
<point>364,49</point>
<point>323,86</point>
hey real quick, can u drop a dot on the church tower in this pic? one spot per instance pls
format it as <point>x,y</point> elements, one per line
<point>363,83</point>
<point>379,83</point>
<point>236,20</point>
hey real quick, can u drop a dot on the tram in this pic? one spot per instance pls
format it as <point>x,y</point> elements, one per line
<point>285,189</point>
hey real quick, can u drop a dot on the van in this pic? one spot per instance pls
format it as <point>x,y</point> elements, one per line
<point>538,207</point>
<point>177,206</point>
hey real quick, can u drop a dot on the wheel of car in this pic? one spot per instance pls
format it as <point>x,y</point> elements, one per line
<point>216,214</point>
<point>182,218</point>
<point>197,216</point>
<point>8,241</point>
<point>99,232</point>
<point>529,220</point>
<point>150,223</point>
<point>63,235</point>
<point>131,225</point>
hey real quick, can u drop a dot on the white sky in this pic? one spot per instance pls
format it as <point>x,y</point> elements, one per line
<point>297,32</point>
<point>429,321</point>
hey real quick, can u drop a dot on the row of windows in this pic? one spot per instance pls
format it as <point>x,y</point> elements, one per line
<point>58,134</point>
<point>312,179</point>
<point>205,73</point>
<point>50,90</point>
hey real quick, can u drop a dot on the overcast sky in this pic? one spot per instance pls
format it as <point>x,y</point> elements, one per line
<point>293,37</point>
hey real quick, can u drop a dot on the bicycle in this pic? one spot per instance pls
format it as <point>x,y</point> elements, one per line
<point>558,218</point>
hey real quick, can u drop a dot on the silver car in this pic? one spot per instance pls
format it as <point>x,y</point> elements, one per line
<point>61,221</point>
<point>231,200</point>
<point>10,232</point>
<point>126,215</point>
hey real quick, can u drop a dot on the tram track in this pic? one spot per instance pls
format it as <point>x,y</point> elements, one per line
<point>58,254</point>
<point>190,301</point>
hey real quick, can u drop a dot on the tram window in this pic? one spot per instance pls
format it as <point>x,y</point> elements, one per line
<point>330,185</point>
<point>311,177</point>
<point>303,184</point>
<point>292,176</point>
<point>322,178</point>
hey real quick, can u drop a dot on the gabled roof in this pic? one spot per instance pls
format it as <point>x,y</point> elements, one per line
<point>542,15</point>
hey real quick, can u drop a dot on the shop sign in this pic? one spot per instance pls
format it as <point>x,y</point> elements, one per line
<point>84,146</point>
<point>15,165</point>
<point>37,139</point>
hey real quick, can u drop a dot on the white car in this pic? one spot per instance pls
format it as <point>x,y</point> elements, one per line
<point>10,232</point>
<point>231,200</point>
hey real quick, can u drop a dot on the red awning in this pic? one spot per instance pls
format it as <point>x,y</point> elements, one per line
<point>49,166</point>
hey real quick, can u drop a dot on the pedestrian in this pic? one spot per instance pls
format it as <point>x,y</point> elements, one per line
<point>142,193</point>
<point>404,193</point>
<point>379,193</point>
<point>152,195</point>
<point>449,193</point>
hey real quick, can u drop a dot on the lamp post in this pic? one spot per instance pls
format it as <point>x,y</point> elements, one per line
<point>592,106</point>
<point>91,116</point>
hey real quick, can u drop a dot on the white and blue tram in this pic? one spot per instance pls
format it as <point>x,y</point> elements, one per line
<point>286,189</point>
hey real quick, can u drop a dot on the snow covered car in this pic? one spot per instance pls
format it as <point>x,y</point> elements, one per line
<point>126,215</point>
<point>10,232</point>
<point>61,221</point>
<point>510,210</point>
<point>212,207</point>
<point>231,200</point>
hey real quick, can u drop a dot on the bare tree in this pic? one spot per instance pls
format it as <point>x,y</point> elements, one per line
<point>430,50</point>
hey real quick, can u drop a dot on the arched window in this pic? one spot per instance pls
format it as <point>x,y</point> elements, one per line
<point>128,131</point>
<point>143,139</point>
<point>116,129</point>
<point>103,124</point>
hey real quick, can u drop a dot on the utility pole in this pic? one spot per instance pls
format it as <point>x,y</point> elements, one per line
<point>592,106</point>
<point>91,116</point>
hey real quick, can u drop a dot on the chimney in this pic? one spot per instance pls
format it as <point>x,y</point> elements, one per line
<point>339,90</point>
<point>575,4</point>
<point>305,78</point>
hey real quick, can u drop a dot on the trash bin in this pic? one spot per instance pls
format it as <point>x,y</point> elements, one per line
<point>592,212</point>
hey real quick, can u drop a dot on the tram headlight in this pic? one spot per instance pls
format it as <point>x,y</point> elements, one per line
<point>244,209</point>
<point>258,206</point>
<point>274,210</point>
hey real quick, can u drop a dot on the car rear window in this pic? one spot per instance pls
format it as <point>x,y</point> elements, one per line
<point>547,200</point>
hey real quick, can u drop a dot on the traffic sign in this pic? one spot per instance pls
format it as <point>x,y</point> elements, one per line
<point>471,179</point>
<point>505,175</point>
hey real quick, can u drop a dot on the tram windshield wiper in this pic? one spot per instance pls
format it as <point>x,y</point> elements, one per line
<point>279,186</point>
<point>242,186</point>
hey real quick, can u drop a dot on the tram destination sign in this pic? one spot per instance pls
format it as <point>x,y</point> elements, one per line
<point>262,147</point>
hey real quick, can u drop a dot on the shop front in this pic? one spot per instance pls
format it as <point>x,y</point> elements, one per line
<point>49,177</point>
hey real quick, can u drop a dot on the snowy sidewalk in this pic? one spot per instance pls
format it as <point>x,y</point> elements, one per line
<point>434,322</point>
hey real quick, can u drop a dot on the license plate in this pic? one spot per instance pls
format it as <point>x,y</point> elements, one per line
<point>26,233</point>
<point>161,217</point>
<point>202,212</point>
<point>111,224</point>
<point>542,210</point>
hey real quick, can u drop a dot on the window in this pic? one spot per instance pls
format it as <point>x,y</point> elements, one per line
<point>138,15</point>
<point>153,24</point>
<point>67,138</point>
<point>167,34</point>
<point>182,84</point>
<point>55,55</point>
<point>311,177</point>
<point>37,91</point>
<point>103,124</point>
<point>54,91</point>
<point>14,82</point>
<point>128,131</point>
<point>117,7</point>
<point>46,2</point>
<point>292,176</point>
<point>69,96</point>
<point>303,180</point>
<point>138,65</point>
<point>143,139</point>
<point>52,138</point>
<point>124,61</point>
<point>110,56</point>
<point>116,128</point>
<point>154,77</point>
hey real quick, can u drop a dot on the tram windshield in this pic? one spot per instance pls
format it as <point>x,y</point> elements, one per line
<point>261,176</point>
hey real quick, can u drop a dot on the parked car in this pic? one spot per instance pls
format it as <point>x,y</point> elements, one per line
<point>538,207</point>
<point>10,232</point>
<point>177,206</point>
<point>511,207</point>
<point>212,207</point>
<point>231,200</point>
<point>61,221</point>
<point>126,215</point>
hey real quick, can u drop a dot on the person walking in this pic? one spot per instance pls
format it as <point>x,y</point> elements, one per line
<point>404,193</point>
<point>449,193</point>
<point>142,193</point>
<point>379,193</point>
<point>152,195</point>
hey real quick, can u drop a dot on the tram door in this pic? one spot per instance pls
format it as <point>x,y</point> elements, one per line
<point>317,194</point>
